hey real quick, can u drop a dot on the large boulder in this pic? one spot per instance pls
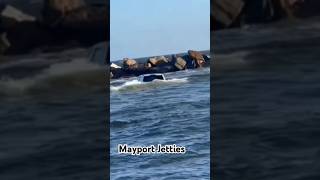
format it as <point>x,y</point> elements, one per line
<point>156,61</point>
<point>197,57</point>
<point>226,12</point>
<point>180,63</point>
<point>130,63</point>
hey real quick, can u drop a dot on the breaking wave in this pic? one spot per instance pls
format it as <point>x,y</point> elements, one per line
<point>134,84</point>
<point>78,72</point>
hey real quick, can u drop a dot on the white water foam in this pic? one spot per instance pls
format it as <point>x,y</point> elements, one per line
<point>231,60</point>
<point>77,66</point>
<point>135,83</point>
<point>126,84</point>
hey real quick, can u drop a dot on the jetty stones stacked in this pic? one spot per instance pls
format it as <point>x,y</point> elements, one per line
<point>130,63</point>
<point>156,61</point>
<point>180,63</point>
<point>160,64</point>
<point>225,12</point>
<point>197,57</point>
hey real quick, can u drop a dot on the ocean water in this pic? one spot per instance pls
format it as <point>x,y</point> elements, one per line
<point>266,95</point>
<point>52,116</point>
<point>176,111</point>
<point>265,91</point>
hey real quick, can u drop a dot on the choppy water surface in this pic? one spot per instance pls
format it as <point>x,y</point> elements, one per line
<point>267,102</point>
<point>176,111</point>
<point>52,117</point>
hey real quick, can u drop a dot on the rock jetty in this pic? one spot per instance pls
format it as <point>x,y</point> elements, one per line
<point>234,13</point>
<point>160,64</point>
<point>28,24</point>
<point>56,22</point>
